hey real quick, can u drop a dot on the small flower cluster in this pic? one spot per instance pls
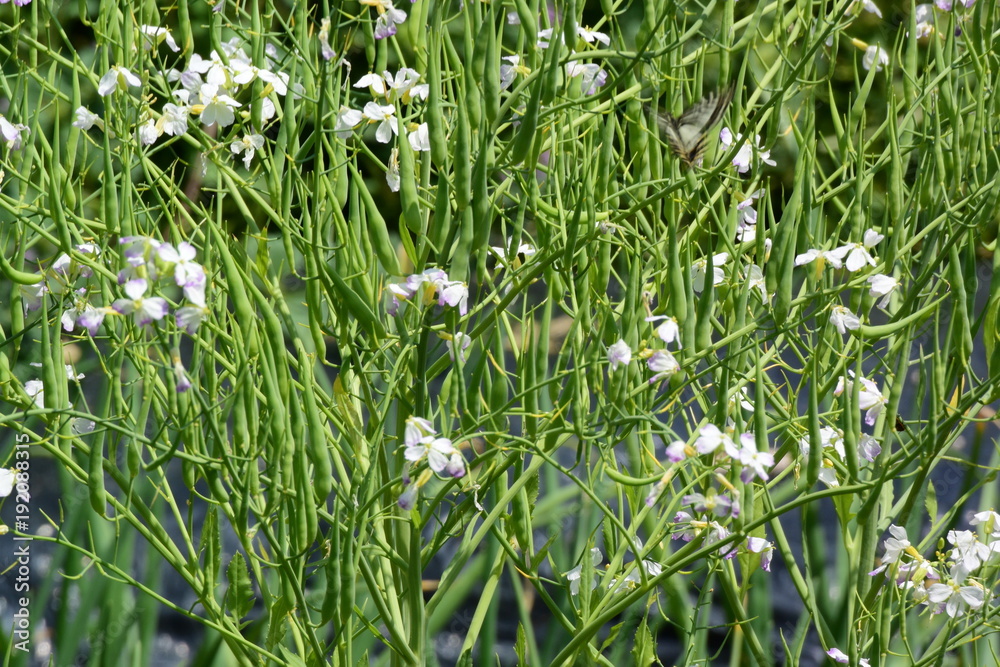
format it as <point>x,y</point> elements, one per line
<point>744,159</point>
<point>709,510</point>
<point>832,442</point>
<point>428,285</point>
<point>955,590</point>
<point>404,86</point>
<point>631,580</point>
<point>853,257</point>
<point>423,444</point>
<point>662,363</point>
<point>208,88</point>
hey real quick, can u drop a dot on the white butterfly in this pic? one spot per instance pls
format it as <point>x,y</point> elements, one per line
<point>688,133</point>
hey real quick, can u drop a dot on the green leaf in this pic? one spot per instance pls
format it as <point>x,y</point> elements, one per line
<point>239,595</point>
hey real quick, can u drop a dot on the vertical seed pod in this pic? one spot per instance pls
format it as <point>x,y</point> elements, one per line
<point>472,69</point>
<point>331,570</point>
<point>462,163</point>
<point>491,72</point>
<point>434,116</point>
<point>961,330</point>
<point>464,249</point>
<point>779,281</point>
<point>441,231</point>
<point>408,197</point>
<point>705,308</point>
<point>523,141</point>
<point>482,213</point>
<point>378,232</point>
<point>95,479</point>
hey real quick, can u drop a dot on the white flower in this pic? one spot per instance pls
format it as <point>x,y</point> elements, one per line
<point>593,76</point>
<point>747,150</point>
<point>711,437</point>
<point>619,353</point>
<point>174,119</point>
<point>7,479</point>
<point>755,280</point>
<point>953,596</point>
<point>36,390</point>
<point>347,120</point>
<point>844,319</point>
<point>669,331</point>
<point>883,286</point>
<point>591,36</point>
<point>990,521</point>
<point>510,69</point>
<point>218,106</point>
<point>870,6</point>
<point>384,115</point>
<point>755,462</point>
<point>895,545</point>
<point>372,81</point>
<point>419,138</point>
<point>155,35</point>
<point>388,17</point>
<point>856,254</point>
<point>870,398</point>
<point>148,133</point>
<point>969,552</point>
<point>420,442</point>
<point>86,119</point>
<point>115,79</point>
<point>700,266</point>
<point>573,576</point>
<point>248,145</point>
<point>875,55</point>
<point>400,86</point>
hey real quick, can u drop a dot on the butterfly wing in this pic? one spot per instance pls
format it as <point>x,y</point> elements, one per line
<point>688,133</point>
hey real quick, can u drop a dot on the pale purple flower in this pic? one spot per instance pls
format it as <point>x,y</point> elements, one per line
<point>676,451</point>
<point>619,354</point>
<point>181,380</point>
<point>743,159</point>
<point>759,545</point>
<point>324,40</point>
<point>144,309</point>
<point>459,341</point>
<point>408,498</point>
<point>669,331</point>
<point>755,463</point>
<point>663,364</point>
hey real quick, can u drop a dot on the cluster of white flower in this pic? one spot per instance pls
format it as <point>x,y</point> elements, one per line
<point>432,282</point>
<point>832,442</point>
<point>208,88</point>
<point>423,444</point>
<point>955,591</point>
